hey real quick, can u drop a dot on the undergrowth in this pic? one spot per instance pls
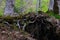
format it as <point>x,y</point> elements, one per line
<point>57,16</point>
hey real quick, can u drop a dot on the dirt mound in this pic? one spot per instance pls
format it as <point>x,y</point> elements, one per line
<point>40,26</point>
<point>43,27</point>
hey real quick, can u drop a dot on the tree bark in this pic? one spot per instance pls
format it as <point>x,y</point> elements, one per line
<point>58,1</point>
<point>38,5</point>
<point>9,9</point>
<point>55,7</point>
<point>51,5</point>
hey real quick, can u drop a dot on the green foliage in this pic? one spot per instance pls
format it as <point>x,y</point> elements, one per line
<point>45,5</point>
<point>1,12</point>
<point>16,9</point>
<point>2,6</point>
<point>54,14</point>
<point>18,4</point>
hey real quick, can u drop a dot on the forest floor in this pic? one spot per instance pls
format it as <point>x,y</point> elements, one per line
<point>14,35</point>
<point>36,25</point>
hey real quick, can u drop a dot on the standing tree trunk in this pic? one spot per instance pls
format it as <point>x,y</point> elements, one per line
<point>51,5</point>
<point>56,8</point>
<point>59,6</point>
<point>9,9</point>
<point>38,5</point>
<point>0,2</point>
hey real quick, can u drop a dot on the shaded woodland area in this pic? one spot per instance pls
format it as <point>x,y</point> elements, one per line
<point>29,20</point>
